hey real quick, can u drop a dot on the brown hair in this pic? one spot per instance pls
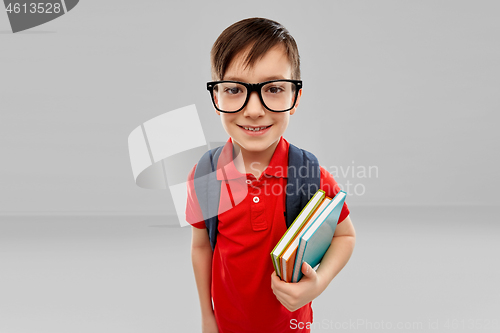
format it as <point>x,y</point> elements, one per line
<point>259,33</point>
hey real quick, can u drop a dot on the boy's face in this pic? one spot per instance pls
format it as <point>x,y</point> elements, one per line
<point>273,65</point>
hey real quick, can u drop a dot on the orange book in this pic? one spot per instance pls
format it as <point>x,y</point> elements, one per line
<point>287,259</point>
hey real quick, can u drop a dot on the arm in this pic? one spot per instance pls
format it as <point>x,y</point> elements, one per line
<point>295,295</point>
<point>338,254</point>
<point>201,257</point>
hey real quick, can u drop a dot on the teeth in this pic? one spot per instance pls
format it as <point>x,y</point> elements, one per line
<point>254,129</point>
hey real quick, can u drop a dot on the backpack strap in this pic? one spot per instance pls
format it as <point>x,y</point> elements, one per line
<point>303,181</point>
<point>207,188</point>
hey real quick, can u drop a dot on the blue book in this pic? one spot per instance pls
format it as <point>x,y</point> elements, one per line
<point>317,238</point>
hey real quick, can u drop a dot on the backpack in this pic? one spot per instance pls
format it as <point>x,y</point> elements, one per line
<point>299,188</point>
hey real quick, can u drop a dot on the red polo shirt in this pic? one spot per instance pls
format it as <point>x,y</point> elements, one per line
<point>248,232</point>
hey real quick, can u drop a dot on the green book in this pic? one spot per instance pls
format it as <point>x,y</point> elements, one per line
<point>295,228</point>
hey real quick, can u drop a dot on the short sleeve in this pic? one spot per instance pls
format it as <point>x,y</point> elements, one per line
<point>331,188</point>
<point>194,216</point>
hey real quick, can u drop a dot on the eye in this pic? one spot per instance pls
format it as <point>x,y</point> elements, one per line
<point>275,89</point>
<point>232,91</point>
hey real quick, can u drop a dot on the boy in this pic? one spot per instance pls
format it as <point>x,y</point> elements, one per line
<point>238,275</point>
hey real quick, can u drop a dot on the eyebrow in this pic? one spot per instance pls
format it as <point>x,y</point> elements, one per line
<point>269,78</point>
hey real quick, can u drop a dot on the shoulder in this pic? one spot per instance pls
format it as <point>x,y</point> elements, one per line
<point>325,174</point>
<point>328,183</point>
<point>331,188</point>
<point>193,212</point>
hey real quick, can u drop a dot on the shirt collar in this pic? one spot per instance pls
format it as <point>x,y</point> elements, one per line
<point>278,166</point>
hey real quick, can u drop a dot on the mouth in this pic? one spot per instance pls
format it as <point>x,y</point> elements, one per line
<point>255,129</point>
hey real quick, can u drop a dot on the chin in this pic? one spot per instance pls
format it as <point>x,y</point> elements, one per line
<point>257,146</point>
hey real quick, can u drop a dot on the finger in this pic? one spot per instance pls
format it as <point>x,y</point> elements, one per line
<point>306,268</point>
<point>281,295</point>
<point>281,285</point>
<point>286,302</point>
<point>286,298</point>
<point>283,299</point>
<point>274,280</point>
<point>308,271</point>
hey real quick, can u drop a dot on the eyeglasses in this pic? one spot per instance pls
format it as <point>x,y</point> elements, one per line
<point>275,95</point>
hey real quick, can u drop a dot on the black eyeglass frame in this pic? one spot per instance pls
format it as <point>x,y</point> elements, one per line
<point>254,87</point>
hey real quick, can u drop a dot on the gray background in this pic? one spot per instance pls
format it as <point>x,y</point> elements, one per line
<point>407,87</point>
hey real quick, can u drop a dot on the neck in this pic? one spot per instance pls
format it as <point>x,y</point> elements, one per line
<point>251,161</point>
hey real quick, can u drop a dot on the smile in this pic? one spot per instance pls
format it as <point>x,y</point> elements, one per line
<point>261,129</point>
<point>255,129</point>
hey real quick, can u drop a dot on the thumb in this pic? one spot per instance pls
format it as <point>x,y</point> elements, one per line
<point>307,269</point>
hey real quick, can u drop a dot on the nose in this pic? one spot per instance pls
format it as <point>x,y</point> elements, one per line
<point>254,107</point>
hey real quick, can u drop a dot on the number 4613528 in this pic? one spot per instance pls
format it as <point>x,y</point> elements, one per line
<point>33,8</point>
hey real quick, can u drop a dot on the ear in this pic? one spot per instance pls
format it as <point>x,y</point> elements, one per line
<point>292,111</point>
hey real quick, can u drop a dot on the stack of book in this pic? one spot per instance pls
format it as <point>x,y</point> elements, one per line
<point>309,236</point>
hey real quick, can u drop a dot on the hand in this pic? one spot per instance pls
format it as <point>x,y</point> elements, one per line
<point>293,296</point>
<point>209,324</point>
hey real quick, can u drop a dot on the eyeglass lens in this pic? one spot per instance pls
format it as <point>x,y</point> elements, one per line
<point>277,96</point>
